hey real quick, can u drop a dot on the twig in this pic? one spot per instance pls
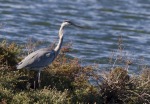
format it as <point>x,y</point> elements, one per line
<point>144,84</point>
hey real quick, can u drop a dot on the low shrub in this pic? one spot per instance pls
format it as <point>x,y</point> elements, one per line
<point>8,53</point>
<point>65,81</point>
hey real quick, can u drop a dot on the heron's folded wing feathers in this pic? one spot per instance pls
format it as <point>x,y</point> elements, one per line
<point>37,59</point>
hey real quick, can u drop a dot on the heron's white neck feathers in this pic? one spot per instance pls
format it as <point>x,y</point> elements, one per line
<point>61,32</point>
<point>61,29</point>
<point>58,47</point>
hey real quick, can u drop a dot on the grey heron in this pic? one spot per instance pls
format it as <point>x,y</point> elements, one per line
<point>43,57</point>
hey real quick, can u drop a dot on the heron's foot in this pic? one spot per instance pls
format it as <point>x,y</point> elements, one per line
<point>34,84</point>
<point>28,85</point>
<point>39,83</point>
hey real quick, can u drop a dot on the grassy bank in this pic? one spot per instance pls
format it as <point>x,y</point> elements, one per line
<point>67,82</point>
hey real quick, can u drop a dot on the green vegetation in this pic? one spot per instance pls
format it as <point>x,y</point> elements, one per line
<point>67,82</point>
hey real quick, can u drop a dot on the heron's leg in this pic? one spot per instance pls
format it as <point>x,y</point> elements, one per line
<point>35,80</point>
<point>39,81</point>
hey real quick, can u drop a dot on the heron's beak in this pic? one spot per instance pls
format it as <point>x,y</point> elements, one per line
<point>76,25</point>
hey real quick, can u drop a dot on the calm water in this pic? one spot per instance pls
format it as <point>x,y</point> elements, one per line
<point>104,20</point>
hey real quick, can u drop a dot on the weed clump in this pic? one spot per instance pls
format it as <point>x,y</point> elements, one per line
<point>8,53</point>
<point>117,86</point>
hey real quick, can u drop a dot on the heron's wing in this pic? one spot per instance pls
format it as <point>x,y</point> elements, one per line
<point>37,59</point>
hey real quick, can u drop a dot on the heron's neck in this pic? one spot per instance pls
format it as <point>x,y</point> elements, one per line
<point>58,47</point>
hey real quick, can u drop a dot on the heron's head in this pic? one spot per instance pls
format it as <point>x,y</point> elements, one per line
<point>67,22</point>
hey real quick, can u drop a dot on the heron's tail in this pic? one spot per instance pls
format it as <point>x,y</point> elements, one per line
<point>19,66</point>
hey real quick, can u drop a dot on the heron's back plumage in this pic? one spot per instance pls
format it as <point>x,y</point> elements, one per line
<point>37,59</point>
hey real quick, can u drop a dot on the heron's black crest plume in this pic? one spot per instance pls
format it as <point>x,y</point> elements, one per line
<point>69,22</point>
